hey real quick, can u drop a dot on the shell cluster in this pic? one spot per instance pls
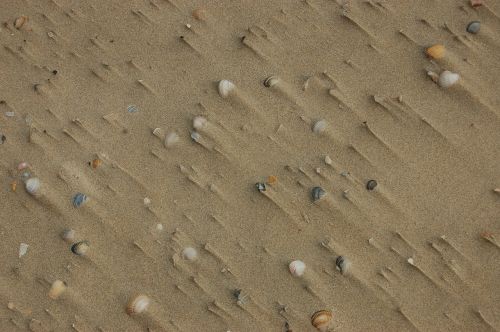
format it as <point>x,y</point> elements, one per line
<point>321,320</point>
<point>297,268</point>
<point>138,304</point>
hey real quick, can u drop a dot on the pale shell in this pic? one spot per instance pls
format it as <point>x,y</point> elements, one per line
<point>23,249</point>
<point>297,268</point>
<point>190,253</point>
<point>321,320</point>
<point>199,122</point>
<point>226,88</point>
<point>33,186</point>
<point>271,81</point>
<point>319,126</point>
<point>447,79</point>
<point>171,139</point>
<point>68,235</point>
<point>80,248</point>
<point>20,21</point>
<point>138,304</point>
<point>57,289</point>
<point>318,193</point>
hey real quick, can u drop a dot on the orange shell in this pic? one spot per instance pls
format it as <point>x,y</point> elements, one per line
<point>96,163</point>
<point>321,319</point>
<point>272,179</point>
<point>199,14</point>
<point>436,51</point>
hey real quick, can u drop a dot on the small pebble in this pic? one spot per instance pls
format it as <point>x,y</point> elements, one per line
<point>199,122</point>
<point>317,193</point>
<point>319,126</point>
<point>68,235</point>
<point>33,186</point>
<point>370,185</point>
<point>3,138</point>
<point>474,27</point>
<point>260,186</point>
<point>171,139</point>
<point>23,249</point>
<point>147,201</point>
<point>476,3</point>
<point>79,200</point>
<point>132,109</point>
<point>190,253</point>
<point>411,261</point>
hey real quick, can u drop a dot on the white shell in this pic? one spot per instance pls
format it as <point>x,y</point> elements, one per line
<point>23,249</point>
<point>138,304</point>
<point>199,122</point>
<point>33,186</point>
<point>447,79</point>
<point>297,268</point>
<point>225,88</point>
<point>171,139</point>
<point>319,126</point>
<point>411,261</point>
<point>190,253</point>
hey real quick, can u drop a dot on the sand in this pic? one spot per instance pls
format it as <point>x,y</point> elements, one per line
<point>424,244</point>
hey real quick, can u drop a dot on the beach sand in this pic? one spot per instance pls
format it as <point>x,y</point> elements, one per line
<point>87,80</point>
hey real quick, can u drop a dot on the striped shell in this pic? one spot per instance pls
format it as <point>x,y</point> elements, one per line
<point>321,319</point>
<point>138,304</point>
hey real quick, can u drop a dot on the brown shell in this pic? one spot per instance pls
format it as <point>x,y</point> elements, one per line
<point>138,304</point>
<point>13,185</point>
<point>96,163</point>
<point>436,51</point>
<point>321,319</point>
<point>19,22</point>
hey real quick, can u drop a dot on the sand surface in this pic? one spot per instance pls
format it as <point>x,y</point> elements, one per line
<point>72,71</point>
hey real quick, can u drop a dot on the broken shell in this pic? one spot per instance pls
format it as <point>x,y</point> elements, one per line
<point>58,287</point>
<point>138,304</point>
<point>371,184</point>
<point>79,200</point>
<point>80,248</point>
<point>297,268</point>
<point>19,22</point>
<point>474,27</point>
<point>33,186</point>
<point>199,122</point>
<point>226,88</point>
<point>190,253</point>
<point>271,81</point>
<point>68,235</point>
<point>319,126</point>
<point>317,193</point>
<point>171,139</point>
<point>96,163</point>
<point>343,264</point>
<point>321,320</point>
<point>447,79</point>
<point>436,51</point>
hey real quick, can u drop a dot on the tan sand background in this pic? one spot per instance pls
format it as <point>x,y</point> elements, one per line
<point>434,152</point>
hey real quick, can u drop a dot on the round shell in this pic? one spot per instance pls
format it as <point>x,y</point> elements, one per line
<point>58,287</point>
<point>68,235</point>
<point>318,193</point>
<point>80,248</point>
<point>343,264</point>
<point>138,304</point>
<point>190,253</point>
<point>225,88</point>
<point>79,199</point>
<point>474,27</point>
<point>436,51</point>
<point>271,81</point>
<point>33,186</point>
<point>297,268</point>
<point>199,122</point>
<point>319,126</point>
<point>321,319</point>
<point>447,79</point>
<point>171,139</point>
<point>371,184</point>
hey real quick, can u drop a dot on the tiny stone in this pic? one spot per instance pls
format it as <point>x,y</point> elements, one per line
<point>370,185</point>
<point>319,126</point>
<point>147,201</point>
<point>410,261</point>
<point>159,227</point>
<point>328,160</point>
<point>474,27</point>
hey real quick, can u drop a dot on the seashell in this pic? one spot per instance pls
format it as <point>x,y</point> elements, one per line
<point>436,51</point>
<point>79,200</point>
<point>271,81</point>
<point>297,268</point>
<point>33,186</point>
<point>497,190</point>
<point>476,3</point>
<point>13,185</point>
<point>57,288</point>
<point>199,14</point>
<point>171,139</point>
<point>319,126</point>
<point>195,136</point>
<point>328,160</point>
<point>68,235</point>
<point>260,186</point>
<point>23,249</point>
<point>190,253</point>
<point>447,79</point>
<point>321,319</point>
<point>158,132</point>
<point>272,179</point>
<point>20,21</point>
<point>371,184</point>
<point>226,88</point>
<point>474,27</point>
<point>343,264</point>
<point>96,163</point>
<point>138,304</point>
<point>410,261</point>
<point>199,122</point>
<point>22,165</point>
<point>80,248</point>
<point>434,77</point>
<point>317,193</point>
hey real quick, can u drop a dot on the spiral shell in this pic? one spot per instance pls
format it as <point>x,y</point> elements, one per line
<point>271,81</point>
<point>226,88</point>
<point>57,288</point>
<point>80,248</point>
<point>321,319</point>
<point>138,304</point>
<point>343,264</point>
<point>33,186</point>
<point>190,253</point>
<point>318,193</point>
<point>447,79</point>
<point>297,268</point>
<point>79,199</point>
<point>436,51</point>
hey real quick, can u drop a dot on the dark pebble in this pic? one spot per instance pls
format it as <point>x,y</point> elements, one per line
<point>317,193</point>
<point>370,185</point>
<point>474,27</point>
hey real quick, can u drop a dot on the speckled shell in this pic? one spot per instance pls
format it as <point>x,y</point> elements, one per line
<point>33,186</point>
<point>321,319</point>
<point>447,79</point>
<point>138,304</point>
<point>437,51</point>
<point>57,289</point>
<point>226,88</point>
<point>297,268</point>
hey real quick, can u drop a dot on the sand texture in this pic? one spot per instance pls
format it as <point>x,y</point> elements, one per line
<point>119,100</point>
